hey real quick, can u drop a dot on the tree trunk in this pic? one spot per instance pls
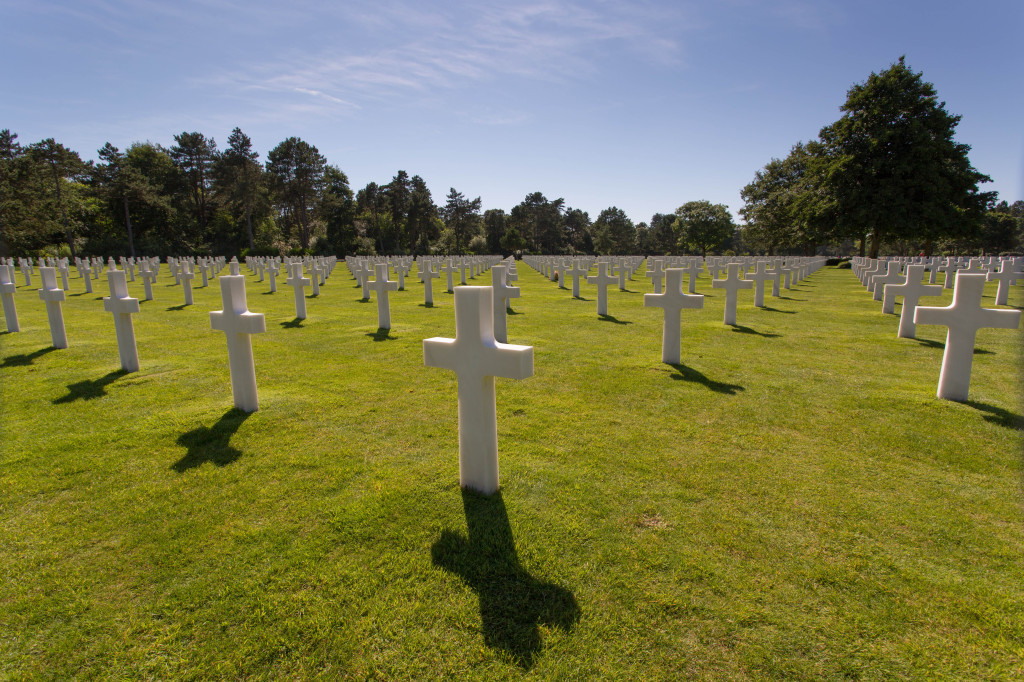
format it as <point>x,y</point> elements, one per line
<point>248,226</point>
<point>64,212</point>
<point>876,243</point>
<point>863,242</point>
<point>128,223</point>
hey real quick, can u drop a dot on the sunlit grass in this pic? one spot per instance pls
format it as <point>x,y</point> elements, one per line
<point>791,501</point>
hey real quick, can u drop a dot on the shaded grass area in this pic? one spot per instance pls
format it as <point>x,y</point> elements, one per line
<point>790,501</point>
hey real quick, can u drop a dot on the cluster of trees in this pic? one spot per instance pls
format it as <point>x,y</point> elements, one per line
<point>888,175</point>
<point>195,198</point>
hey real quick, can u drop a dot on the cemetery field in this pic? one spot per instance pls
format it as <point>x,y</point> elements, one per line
<point>790,502</point>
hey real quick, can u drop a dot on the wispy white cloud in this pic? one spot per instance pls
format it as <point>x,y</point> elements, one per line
<point>414,51</point>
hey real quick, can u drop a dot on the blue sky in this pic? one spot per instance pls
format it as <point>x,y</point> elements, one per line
<point>641,105</point>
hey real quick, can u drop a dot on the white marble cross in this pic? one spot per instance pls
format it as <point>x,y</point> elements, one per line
<point>1005,276</point>
<point>892,276</point>
<point>85,270</point>
<point>427,274</point>
<point>673,300</point>
<point>382,285</point>
<point>185,275</point>
<point>911,292</point>
<point>732,285</point>
<point>148,277</point>
<point>760,276</point>
<point>656,273</point>
<point>602,279</point>
<point>7,289</point>
<point>272,270</point>
<point>502,294</point>
<point>576,272</point>
<point>238,324</point>
<point>314,277</point>
<point>692,270</point>
<point>963,318</point>
<point>122,306</point>
<point>298,283</point>
<point>53,295</point>
<point>448,269</point>
<point>477,358</point>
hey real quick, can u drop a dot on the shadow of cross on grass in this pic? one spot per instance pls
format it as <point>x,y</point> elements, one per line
<point>690,374</point>
<point>210,444</point>
<point>25,358</point>
<point>513,604</point>
<point>90,388</point>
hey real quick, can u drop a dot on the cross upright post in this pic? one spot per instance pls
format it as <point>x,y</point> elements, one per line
<point>656,273</point>
<point>7,289</point>
<point>239,324</point>
<point>602,279</point>
<point>576,272</point>
<point>672,301</point>
<point>123,306</point>
<point>502,294</point>
<point>964,317</point>
<point>477,359</point>
<point>298,284</point>
<point>448,269</point>
<point>186,275</point>
<point>53,295</point>
<point>1005,276</point>
<point>911,292</point>
<point>891,276</point>
<point>427,275</point>
<point>760,276</point>
<point>382,285</point>
<point>732,284</point>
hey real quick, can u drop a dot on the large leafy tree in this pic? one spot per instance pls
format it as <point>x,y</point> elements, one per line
<point>195,155</point>
<point>338,212</point>
<point>894,168</point>
<point>398,198</point>
<point>297,169</point>
<point>124,185</point>
<point>614,232</point>
<point>577,230</point>
<point>422,221</point>
<point>462,217</point>
<point>704,226</point>
<point>240,180</point>
<point>662,234</point>
<point>495,225</point>
<point>55,167</point>
<point>540,222</point>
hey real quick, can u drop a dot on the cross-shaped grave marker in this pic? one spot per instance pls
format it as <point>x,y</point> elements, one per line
<point>911,291</point>
<point>298,283</point>
<point>502,294</point>
<point>1005,276</point>
<point>185,275</point>
<point>732,284</point>
<point>427,275</point>
<point>760,276</point>
<point>7,289</point>
<point>53,295</point>
<point>477,359</point>
<point>576,272</point>
<point>891,276</point>
<point>122,306</point>
<point>964,317</point>
<point>382,285</point>
<point>656,273</point>
<point>673,300</point>
<point>602,279</point>
<point>239,324</point>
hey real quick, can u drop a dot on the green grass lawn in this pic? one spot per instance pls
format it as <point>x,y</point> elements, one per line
<point>790,502</point>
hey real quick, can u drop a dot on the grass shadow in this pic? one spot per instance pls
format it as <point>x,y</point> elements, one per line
<point>581,298</point>
<point>210,444</point>
<point>89,389</point>
<point>426,305</point>
<point>381,334</point>
<point>776,310</point>
<point>748,330</point>
<point>509,311</point>
<point>268,293</point>
<point>692,375</point>
<point>178,307</point>
<point>612,319</point>
<point>998,415</point>
<point>513,604</point>
<point>942,345</point>
<point>25,358</point>
<point>789,298</point>
<point>294,324</point>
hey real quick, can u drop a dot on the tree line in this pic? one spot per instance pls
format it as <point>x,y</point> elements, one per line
<point>888,175</point>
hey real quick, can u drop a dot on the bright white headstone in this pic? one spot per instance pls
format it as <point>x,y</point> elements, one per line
<point>122,306</point>
<point>238,324</point>
<point>477,358</point>
<point>963,318</point>
<point>53,295</point>
<point>673,300</point>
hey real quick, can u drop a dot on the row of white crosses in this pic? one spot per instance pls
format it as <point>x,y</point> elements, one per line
<point>963,318</point>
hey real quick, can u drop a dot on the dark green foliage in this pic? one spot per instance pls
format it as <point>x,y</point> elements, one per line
<point>704,227</point>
